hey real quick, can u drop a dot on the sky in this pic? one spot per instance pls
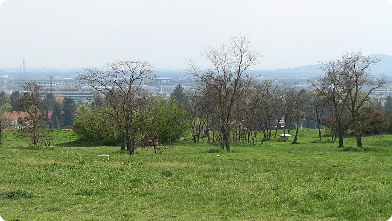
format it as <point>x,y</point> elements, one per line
<point>75,34</point>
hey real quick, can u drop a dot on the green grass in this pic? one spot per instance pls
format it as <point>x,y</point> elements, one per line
<point>312,180</point>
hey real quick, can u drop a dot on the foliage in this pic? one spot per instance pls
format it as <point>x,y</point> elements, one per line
<point>119,87</point>
<point>168,120</point>
<point>15,95</point>
<point>56,118</point>
<point>50,100</point>
<point>371,121</point>
<point>6,107</point>
<point>69,109</point>
<point>5,121</point>
<point>388,118</point>
<point>33,126</point>
<point>92,125</point>
<point>4,98</point>
<point>343,87</point>
<point>179,94</point>
<point>388,103</point>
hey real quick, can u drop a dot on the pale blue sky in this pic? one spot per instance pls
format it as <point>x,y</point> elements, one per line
<point>90,33</point>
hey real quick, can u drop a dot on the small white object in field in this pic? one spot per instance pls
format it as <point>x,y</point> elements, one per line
<point>1,219</point>
<point>387,220</point>
<point>285,136</point>
<point>217,155</point>
<point>102,155</point>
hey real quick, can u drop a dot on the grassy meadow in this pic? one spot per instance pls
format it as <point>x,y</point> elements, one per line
<point>276,180</point>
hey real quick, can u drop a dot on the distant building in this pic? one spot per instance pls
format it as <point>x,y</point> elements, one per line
<point>67,89</point>
<point>15,116</point>
<point>382,92</point>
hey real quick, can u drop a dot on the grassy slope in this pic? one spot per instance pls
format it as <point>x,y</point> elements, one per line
<point>272,181</point>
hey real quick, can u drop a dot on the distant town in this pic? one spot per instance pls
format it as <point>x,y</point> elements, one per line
<point>63,82</point>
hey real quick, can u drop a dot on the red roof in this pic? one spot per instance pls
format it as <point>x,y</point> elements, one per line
<point>15,115</point>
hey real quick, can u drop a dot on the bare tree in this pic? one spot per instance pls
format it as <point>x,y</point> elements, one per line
<point>200,115</point>
<point>344,85</point>
<point>226,80</point>
<point>355,70</point>
<point>120,84</point>
<point>33,125</point>
<point>316,107</point>
<point>295,99</point>
<point>329,86</point>
<point>259,107</point>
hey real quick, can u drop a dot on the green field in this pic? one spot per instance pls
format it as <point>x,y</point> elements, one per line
<point>270,181</point>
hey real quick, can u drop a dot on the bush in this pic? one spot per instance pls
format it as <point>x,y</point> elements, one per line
<point>92,125</point>
<point>171,120</point>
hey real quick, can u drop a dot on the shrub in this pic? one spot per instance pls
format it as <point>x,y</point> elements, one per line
<point>92,125</point>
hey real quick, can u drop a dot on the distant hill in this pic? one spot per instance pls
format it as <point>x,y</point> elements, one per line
<point>384,66</point>
<point>309,71</point>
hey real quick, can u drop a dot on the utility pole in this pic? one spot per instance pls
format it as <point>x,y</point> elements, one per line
<point>51,88</point>
<point>24,70</point>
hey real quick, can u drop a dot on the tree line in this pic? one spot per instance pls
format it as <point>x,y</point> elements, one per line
<point>42,112</point>
<point>237,105</point>
<point>229,103</point>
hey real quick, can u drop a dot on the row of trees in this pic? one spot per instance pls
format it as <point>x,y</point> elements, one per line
<point>230,100</point>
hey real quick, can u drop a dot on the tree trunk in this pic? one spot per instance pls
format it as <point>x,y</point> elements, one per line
<point>269,133</point>
<point>123,143</point>
<point>319,129</point>
<point>296,134</point>
<point>359,140</point>
<point>226,140</point>
<point>130,147</point>
<point>35,138</point>
<point>340,131</point>
<point>318,122</point>
<point>288,125</point>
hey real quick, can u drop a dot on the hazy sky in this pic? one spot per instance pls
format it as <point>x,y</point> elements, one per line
<point>91,33</point>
